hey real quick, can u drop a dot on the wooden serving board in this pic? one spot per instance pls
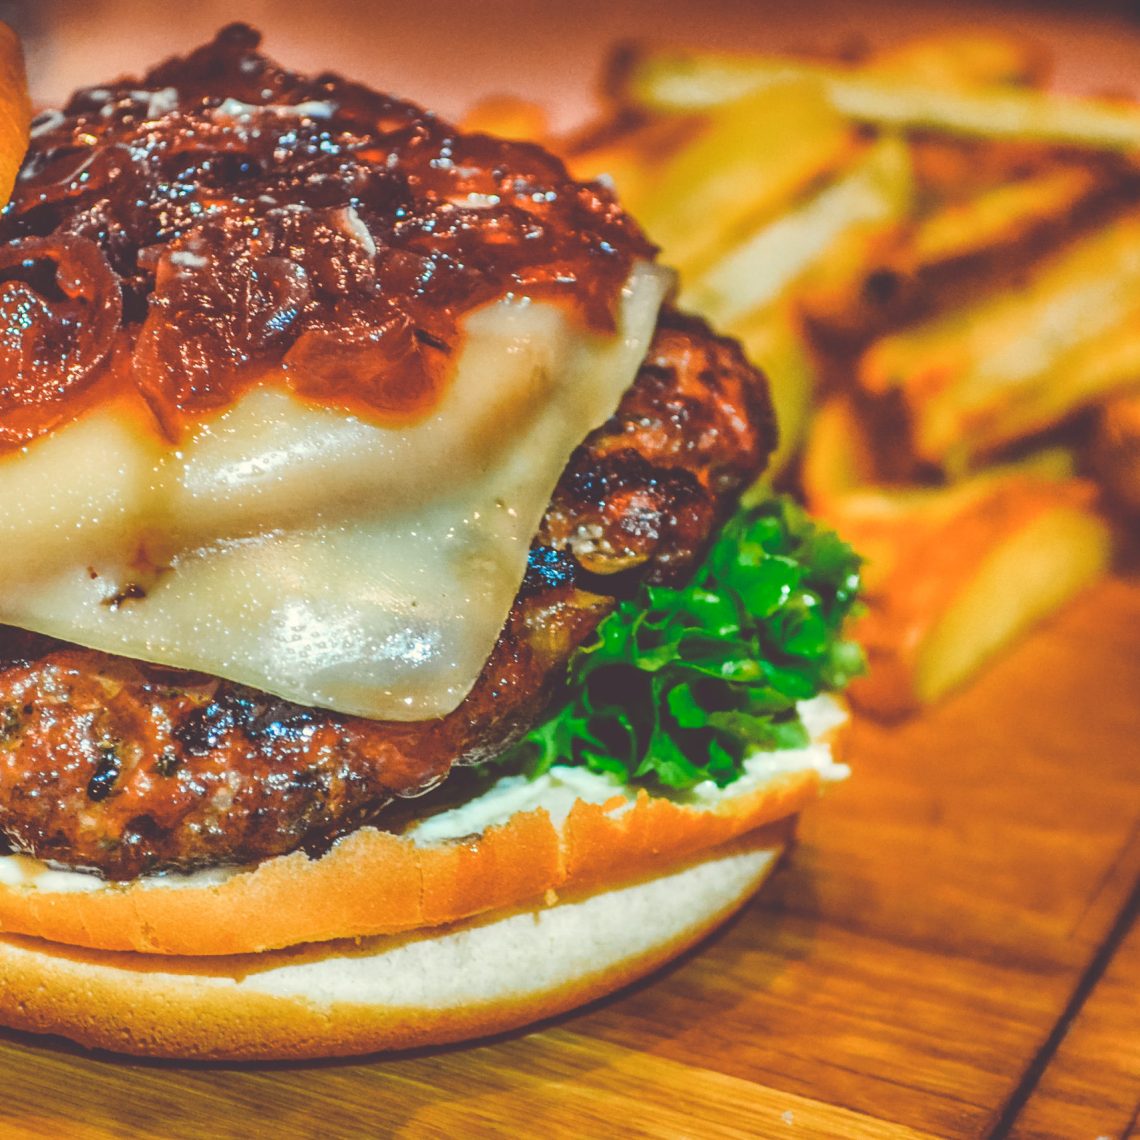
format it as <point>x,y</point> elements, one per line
<point>947,952</point>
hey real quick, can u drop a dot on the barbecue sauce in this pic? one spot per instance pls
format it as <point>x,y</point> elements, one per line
<point>182,234</point>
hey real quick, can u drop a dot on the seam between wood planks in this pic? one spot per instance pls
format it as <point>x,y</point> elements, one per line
<point>1087,983</point>
<point>1130,1127</point>
<point>1127,848</point>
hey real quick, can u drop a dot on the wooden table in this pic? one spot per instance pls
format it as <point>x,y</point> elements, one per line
<point>948,952</point>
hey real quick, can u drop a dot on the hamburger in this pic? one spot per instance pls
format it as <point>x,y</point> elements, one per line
<point>384,660</point>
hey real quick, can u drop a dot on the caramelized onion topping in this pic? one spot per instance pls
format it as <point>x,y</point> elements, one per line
<point>60,313</point>
<point>183,232</point>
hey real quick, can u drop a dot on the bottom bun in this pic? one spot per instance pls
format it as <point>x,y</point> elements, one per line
<point>430,987</point>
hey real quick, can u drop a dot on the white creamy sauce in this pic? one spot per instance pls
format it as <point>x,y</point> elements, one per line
<point>556,791</point>
<point>305,552</point>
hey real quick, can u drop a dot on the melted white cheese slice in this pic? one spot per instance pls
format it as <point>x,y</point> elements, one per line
<point>308,553</point>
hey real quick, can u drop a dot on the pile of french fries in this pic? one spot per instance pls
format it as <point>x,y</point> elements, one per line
<point>936,259</point>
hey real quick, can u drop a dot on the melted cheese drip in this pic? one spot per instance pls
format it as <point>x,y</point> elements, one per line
<point>307,553</point>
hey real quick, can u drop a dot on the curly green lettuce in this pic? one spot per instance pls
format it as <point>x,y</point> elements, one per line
<point>682,685</point>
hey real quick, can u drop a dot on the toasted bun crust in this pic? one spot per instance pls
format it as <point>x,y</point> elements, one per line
<point>387,943</point>
<point>392,992</point>
<point>373,882</point>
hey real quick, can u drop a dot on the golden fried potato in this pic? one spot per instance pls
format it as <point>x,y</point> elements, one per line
<point>1013,362</point>
<point>775,341</point>
<point>839,456</point>
<point>964,59</point>
<point>508,117</point>
<point>1116,449</point>
<point>937,262</point>
<point>689,81</point>
<point>750,160</point>
<point>822,237</point>
<point>954,575</point>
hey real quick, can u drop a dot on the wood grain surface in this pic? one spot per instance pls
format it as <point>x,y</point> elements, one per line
<point>946,953</point>
<point>1091,1084</point>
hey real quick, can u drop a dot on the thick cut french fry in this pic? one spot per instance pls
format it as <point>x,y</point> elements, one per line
<point>935,262</point>
<point>508,117</point>
<point>996,370</point>
<point>838,457</point>
<point>874,192</point>
<point>691,81</point>
<point>957,574</point>
<point>676,80</point>
<point>1116,449</point>
<point>950,170</point>
<point>845,460</point>
<point>751,160</point>
<point>1105,365</point>
<point>1001,216</point>
<point>969,201</point>
<point>774,340</point>
<point>963,59</point>
<point>1092,124</point>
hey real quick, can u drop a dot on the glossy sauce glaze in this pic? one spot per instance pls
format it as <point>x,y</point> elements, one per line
<point>181,233</point>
